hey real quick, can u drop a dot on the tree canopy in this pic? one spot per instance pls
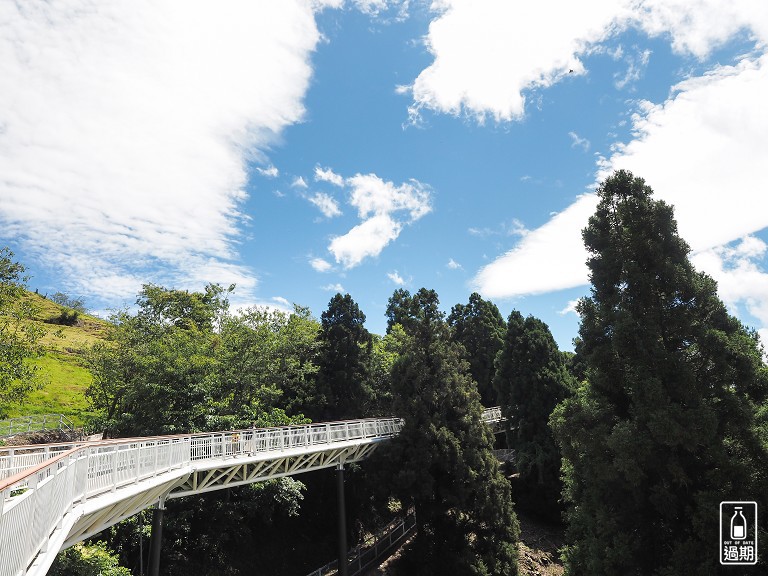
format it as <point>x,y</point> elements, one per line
<point>666,424</point>
<point>531,379</point>
<point>344,363</point>
<point>442,460</point>
<point>19,336</point>
<point>479,327</point>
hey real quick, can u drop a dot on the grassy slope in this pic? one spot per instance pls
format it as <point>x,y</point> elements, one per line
<point>62,368</point>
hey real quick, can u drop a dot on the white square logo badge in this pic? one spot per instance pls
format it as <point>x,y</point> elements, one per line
<point>738,533</point>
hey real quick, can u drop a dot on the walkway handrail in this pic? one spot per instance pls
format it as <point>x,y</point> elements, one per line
<point>35,423</point>
<point>46,489</point>
<point>492,415</point>
<point>35,501</point>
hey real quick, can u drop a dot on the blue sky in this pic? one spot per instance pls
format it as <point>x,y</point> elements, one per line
<point>301,148</point>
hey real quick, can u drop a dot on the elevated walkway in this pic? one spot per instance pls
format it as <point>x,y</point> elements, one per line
<point>52,496</point>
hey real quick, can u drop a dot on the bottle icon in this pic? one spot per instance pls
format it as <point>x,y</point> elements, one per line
<point>738,525</point>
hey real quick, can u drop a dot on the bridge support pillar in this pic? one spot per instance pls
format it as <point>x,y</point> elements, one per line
<point>156,540</point>
<point>342,566</point>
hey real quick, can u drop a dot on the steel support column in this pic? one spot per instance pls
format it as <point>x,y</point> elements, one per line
<point>342,566</point>
<point>156,540</point>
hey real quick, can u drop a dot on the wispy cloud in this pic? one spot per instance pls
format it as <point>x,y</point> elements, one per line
<point>334,288</point>
<point>636,65</point>
<point>578,142</point>
<point>514,228</point>
<point>384,209</point>
<point>326,203</point>
<point>320,265</point>
<point>269,172</point>
<point>453,265</point>
<point>328,175</point>
<point>299,182</point>
<point>396,278</point>
<point>126,127</point>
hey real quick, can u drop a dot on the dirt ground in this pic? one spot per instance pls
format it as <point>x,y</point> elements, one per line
<point>539,543</point>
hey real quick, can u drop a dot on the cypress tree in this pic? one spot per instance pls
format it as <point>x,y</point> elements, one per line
<point>479,327</point>
<point>531,379</point>
<point>346,347</point>
<point>442,460</point>
<point>666,424</point>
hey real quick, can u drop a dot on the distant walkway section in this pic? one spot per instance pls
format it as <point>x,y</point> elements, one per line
<point>36,423</point>
<point>369,554</point>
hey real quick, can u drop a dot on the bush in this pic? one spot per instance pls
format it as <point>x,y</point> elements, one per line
<point>88,560</point>
<point>67,317</point>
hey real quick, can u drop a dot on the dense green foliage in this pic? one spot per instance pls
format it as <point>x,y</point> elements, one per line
<point>666,424</point>
<point>345,360</point>
<point>183,363</point>
<point>479,327</point>
<point>88,560</point>
<point>19,337</point>
<point>531,379</point>
<point>402,309</point>
<point>442,461</point>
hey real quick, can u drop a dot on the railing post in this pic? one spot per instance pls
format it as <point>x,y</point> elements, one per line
<point>114,469</point>
<point>156,540</point>
<point>86,467</point>
<point>342,566</point>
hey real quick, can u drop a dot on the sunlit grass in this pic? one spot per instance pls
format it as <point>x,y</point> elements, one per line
<point>62,369</point>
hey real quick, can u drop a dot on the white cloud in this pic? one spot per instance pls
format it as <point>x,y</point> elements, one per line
<point>384,209</point>
<point>570,308</point>
<point>327,205</point>
<point>299,182</point>
<point>551,257</point>
<point>365,240</point>
<point>488,55</point>
<point>320,265</point>
<point>453,265</point>
<point>281,301</point>
<point>702,150</point>
<point>396,278</point>
<point>269,172</point>
<point>334,288</point>
<point>328,175</point>
<point>125,129</point>
<point>372,195</point>
<point>578,141</point>
<point>740,278</point>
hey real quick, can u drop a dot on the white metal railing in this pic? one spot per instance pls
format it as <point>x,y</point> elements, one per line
<point>492,415</point>
<point>40,485</point>
<point>35,423</point>
<point>34,503</point>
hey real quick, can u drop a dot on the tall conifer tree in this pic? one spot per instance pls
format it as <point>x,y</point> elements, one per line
<point>346,347</point>
<point>665,426</point>
<point>442,461</point>
<point>531,378</point>
<point>479,327</point>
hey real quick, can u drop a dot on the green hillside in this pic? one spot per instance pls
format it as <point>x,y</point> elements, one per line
<point>62,368</point>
